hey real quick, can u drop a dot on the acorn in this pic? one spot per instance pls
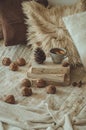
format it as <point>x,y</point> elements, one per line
<point>13,67</point>
<point>39,55</point>
<point>74,84</point>
<point>26,91</point>
<point>21,62</point>
<point>65,64</point>
<point>41,83</point>
<point>10,99</point>
<point>26,83</point>
<point>6,61</point>
<point>80,84</point>
<point>51,89</point>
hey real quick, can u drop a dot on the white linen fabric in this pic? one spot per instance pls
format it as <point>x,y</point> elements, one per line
<point>76,25</point>
<point>66,110</point>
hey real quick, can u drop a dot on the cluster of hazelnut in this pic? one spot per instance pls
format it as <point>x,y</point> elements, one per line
<point>50,89</point>
<point>14,66</point>
<point>26,83</point>
<point>27,91</point>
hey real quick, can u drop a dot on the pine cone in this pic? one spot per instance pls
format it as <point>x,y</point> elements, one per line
<point>39,55</point>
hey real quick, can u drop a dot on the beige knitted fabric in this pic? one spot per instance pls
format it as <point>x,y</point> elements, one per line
<point>46,27</point>
<point>67,108</point>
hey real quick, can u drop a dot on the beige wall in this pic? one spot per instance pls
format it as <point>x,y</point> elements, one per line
<point>62,1</point>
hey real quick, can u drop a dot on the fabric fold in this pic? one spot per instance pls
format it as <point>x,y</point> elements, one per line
<point>23,118</point>
<point>1,126</point>
<point>68,123</point>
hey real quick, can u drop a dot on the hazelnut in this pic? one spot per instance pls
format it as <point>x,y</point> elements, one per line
<point>51,89</point>
<point>13,66</point>
<point>80,84</point>
<point>6,61</point>
<point>10,99</point>
<point>65,64</point>
<point>26,91</point>
<point>74,84</point>
<point>26,83</point>
<point>21,62</point>
<point>41,83</point>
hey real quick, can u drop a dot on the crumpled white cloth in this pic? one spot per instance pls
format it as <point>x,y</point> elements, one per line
<point>43,116</point>
<point>66,110</point>
<point>24,118</point>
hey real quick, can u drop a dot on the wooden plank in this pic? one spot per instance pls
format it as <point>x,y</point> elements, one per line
<point>49,77</point>
<point>66,82</point>
<point>49,68</point>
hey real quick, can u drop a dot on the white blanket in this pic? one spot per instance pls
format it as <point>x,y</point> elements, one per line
<point>66,110</point>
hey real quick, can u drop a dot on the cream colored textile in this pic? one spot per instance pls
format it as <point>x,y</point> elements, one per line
<point>46,27</point>
<point>66,110</point>
<point>76,25</point>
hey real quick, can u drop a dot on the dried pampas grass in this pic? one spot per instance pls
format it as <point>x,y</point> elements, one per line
<point>46,27</point>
